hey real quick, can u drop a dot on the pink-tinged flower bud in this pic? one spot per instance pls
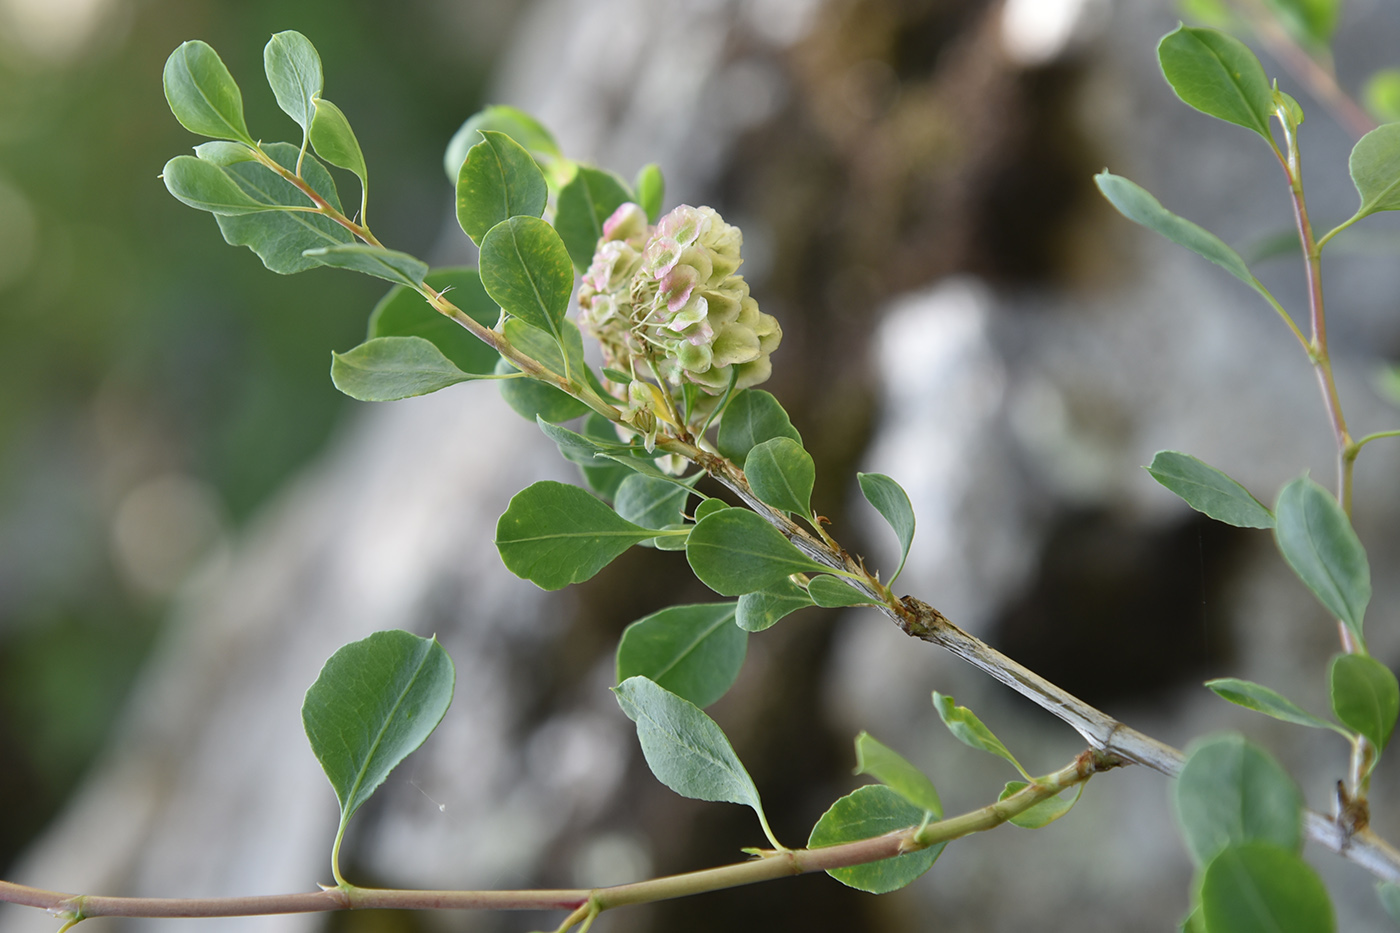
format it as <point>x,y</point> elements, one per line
<point>667,302</point>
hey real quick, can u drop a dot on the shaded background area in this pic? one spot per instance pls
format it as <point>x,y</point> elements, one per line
<point>960,311</point>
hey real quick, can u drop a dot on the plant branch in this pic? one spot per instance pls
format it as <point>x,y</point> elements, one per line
<point>584,903</point>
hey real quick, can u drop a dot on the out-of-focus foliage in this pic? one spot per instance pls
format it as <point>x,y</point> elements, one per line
<point>138,428</point>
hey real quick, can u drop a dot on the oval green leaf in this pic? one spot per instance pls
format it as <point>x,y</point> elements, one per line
<point>1142,208</point>
<point>1263,700</point>
<point>1365,696</point>
<point>652,503</point>
<point>890,768</point>
<point>387,264</point>
<point>970,731</point>
<point>498,180</point>
<point>1258,887</point>
<point>389,368</point>
<point>223,152</point>
<point>554,534</point>
<point>202,94</point>
<point>754,416</point>
<point>1318,542</point>
<point>762,609</point>
<point>334,140</point>
<point>781,473</point>
<point>1231,791</point>
<point>650,186</point>
<point>734,552</point>
<point>206,186</point>
<point>584,204</point>
<point>527,271</point>
<point>375,701</point>
<point>892,502</point>
<point>294,73</point>
<point>684,748</point>
<point>403,312</point>
<point>834,593</point>
<point>1218,75</point>
<point>865,813</point>
<point>1208,490</point>
<point>1375,170</point>
<point>693,651</point>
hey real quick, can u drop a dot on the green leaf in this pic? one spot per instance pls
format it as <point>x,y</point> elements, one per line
<point>709,507</point>
<point>834,593</point>
<point>1389,894</point>
<point>1263,700</point>
<point>554,534</point>
<point>1365,696</point>
<point>527,271</point>
<point>223,152</point>
<point>1382,96</point>
<point>892,502</point>
<point>970,731</point>
<point>1043,813</point>
<point>1319,544</point>
<point>279,238</point>
<point>396,267</point>
<point>206,186</point>
<point>865,813</point>
<point>693,651</point>
<point>334,140</point>
<point>734,552</point>
<point>293,69</point>
<point>403,312</point>
<point>1375,170</point>
<point>1208,490</point>
<point>499,180</point>
<point>754,416</point>
<point>202,94</point>
<point>584,204</point>
<point>1140,207</point>
<point>579,448</point>
<point>517,124</point>
<point>1311,22</point>
<point>1218,75</point>
<point>1258,887</point>
<point>782,474</point>
<point>388,368</point>
<point>534,400</point>
<point>1231,791</point>
<point>887,766</point>
<point>762,609</point>
<point>650,186</point>
<point>684,748</point>
<point>652,503</point>
<point>375,701</point>
<point>544,348</point>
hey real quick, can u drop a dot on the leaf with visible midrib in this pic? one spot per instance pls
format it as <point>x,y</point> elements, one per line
<point>527,271</point>
<point>753,417</point>
<point>782,474</point>
<point>693,651</point>
<point>375,701</point>
<point>1231,791</point>
<point>1318,542</point>
<point>865,813</point>
<point>1208,490</point>
<point>1375,170</point>
<point>734,552</point>
<point>890,768</point>
<point>294,73</point>
<point>892,502</point>
<point>386,369</point>
<point>387,264</point>
<point>1365,696</point>
<point>498,180</point>
<point>584,205</point>
<point>1263,700</point>
<point>554,534</point>
<point>202,94</point>
<point>684,748</point>
<point>1218,75</point>
<point>763,609</point>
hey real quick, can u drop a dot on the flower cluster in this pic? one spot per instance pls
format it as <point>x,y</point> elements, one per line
<point>665,301</point>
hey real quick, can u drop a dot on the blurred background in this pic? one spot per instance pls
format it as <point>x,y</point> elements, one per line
<point>192,519</point>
